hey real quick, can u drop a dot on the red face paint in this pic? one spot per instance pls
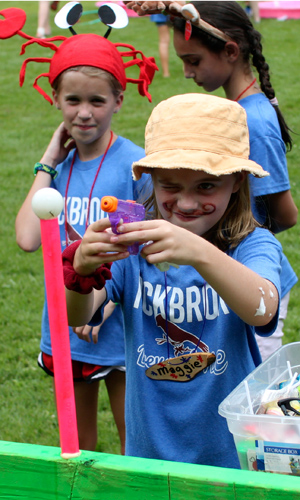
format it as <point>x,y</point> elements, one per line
<point>206,209</point>
<point>188,30</point>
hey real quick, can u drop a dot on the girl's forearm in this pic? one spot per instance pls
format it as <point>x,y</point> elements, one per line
<point>81,308</point>
<point>253,298</point>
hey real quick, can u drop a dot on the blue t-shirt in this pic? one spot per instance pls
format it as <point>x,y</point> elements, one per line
<point>268,150</point>
<point>180,421</point>
<point>115,179</point>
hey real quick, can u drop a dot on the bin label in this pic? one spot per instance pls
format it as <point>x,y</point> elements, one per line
<point>282,458</point>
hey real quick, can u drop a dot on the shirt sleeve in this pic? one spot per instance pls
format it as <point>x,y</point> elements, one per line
<point>269,152</point>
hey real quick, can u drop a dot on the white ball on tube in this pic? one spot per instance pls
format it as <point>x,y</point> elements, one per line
<point>47,203</point>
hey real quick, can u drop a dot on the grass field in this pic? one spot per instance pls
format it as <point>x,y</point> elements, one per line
<point>27,412</point>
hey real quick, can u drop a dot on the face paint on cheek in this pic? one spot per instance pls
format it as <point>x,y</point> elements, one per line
<point>208,208</point>
<point>166,206</point>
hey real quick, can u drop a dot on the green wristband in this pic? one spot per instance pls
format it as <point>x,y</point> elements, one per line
<point>45,168</point>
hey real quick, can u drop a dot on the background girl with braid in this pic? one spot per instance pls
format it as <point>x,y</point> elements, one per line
<point>84,161</point>
<point>228,63</point>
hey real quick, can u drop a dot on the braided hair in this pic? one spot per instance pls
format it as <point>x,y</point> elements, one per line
<point>231,18</point>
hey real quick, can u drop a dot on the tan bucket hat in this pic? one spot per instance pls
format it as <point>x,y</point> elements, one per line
<point>198,132</point>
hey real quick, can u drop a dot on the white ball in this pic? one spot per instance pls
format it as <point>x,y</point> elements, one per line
<point>47,203</point>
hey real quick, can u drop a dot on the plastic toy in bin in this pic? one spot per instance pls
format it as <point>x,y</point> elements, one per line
<point>263,414</point>
<point>289,406</point>
<point>287,390</point>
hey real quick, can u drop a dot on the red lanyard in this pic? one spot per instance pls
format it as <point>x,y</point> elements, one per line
<point>91,191</point>
<point>247,88</point>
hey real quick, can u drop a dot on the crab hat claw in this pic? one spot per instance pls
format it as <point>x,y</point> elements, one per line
<point>13,22</point>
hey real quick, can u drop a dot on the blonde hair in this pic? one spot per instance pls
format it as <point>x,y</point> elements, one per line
<point>114,84</point>
<point>236,223</point>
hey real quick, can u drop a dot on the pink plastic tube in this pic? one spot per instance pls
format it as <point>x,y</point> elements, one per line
<point>59,332</point>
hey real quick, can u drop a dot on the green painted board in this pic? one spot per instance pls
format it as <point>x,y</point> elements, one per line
<point>33,472</point>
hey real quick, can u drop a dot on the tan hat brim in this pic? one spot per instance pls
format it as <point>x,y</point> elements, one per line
<point>211,163</point>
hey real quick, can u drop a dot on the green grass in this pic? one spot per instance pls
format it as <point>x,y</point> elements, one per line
<point>27,411</point>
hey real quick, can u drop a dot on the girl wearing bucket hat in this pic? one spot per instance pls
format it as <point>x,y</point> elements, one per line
<point>214,62</point>
<point>206,277</point>
<point>84,160</point>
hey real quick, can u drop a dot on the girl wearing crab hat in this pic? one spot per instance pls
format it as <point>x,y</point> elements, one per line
<point>207,277</point>
<point>84,160</point>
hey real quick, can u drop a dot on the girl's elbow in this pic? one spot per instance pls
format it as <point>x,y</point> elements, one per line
<point>262,321</point>
<point>267,308</point>
<point>263,316</point>
<point>291,220</point>
<point>295,217</point>
<point>27,243</point>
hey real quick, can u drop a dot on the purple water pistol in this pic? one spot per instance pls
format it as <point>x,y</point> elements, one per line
<point>123,211</point>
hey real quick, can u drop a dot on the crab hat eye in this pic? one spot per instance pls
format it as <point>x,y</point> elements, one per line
<point>68,15</point>
<point>113,15</point>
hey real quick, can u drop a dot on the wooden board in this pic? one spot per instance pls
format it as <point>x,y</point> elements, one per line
<point>34,472</point>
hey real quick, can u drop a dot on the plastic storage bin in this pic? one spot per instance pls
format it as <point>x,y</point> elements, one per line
<point>267,443</point>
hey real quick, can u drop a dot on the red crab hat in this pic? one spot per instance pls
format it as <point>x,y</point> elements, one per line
<point>80,50</point>
<point>87,50</point>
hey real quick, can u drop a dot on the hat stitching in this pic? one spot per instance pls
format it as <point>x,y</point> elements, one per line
<point>207,151</point>
<point>197,120</point>
<point>203,153</point>
<point>178,117</point>
<point>191,147</point>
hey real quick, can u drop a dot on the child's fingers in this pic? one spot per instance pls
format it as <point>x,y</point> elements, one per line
<point>96,249</point>
<point>95,332</point>
<point>99,252</point>
<point>70,145</point>
<point>131,228</point>
<point>100,225</point>
<point>141,232</point>
<point>97,239</point>
<point>86,332</point>
<point>83,332</point>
